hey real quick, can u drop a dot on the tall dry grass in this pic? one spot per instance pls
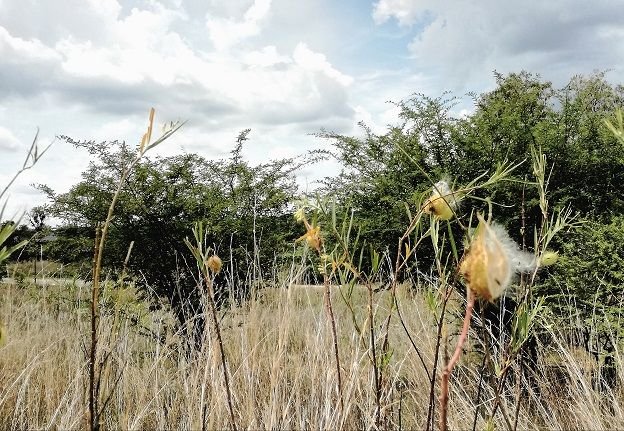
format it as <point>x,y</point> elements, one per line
<point>280,359</point>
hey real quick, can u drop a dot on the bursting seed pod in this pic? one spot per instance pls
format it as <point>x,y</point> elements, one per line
<point>312,236</point>
<point>214,263</point>
<point>442,203</point>
<point>492,260</point>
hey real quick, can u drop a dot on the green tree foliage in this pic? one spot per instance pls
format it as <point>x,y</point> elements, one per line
<point>384,173</point>
<point>380,175</point>
<point>589,161</point>
<point>522,112</point>
<point>247,209</point>
<point>588,279</point>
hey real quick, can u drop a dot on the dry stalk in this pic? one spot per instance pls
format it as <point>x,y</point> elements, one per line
<point>374,354</point>
<point>436,356</point>
<point>144,146</point>
<point>330,314</point>
<point>94,318</point>
<point>219,339</point>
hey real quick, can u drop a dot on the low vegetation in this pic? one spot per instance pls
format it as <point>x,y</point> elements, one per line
<point>279,351</point>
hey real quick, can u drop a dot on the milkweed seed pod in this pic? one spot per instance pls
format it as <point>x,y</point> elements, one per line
<point>300,215</point>
<point>549,258</point>
<point>491,261</point>
<point>442,203</point>
<point>312,236</point>
<point>214,263</point>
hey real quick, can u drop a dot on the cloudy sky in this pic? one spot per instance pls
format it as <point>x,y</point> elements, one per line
<point>91,69</point>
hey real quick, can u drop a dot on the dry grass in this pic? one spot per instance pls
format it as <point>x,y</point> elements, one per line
<point>280,361</point>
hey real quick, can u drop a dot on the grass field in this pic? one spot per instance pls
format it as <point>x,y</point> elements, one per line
<point>280,363</point>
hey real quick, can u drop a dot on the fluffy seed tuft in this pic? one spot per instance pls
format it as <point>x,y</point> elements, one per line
<point>214,263</point>
<point>492,260</point>
<point>442,203</point>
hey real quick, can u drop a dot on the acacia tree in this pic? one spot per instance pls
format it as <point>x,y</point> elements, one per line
<point>382,174</point>
<point>247,208</point>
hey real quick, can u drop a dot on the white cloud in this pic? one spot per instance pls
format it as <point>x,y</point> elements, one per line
<point>105,8</point>
<point>405,11</point>
<point>463,42</point>
<point>50,21</point>
<point>141,47</point>
<point>265,57</point>
<point>119,130</point>
<point>18,50</point>
<point>227,32</point>
<point>145,62</point>
<point>8,141</point>
<point>317,62</point>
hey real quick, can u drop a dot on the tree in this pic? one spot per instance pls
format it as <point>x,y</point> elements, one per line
<point>247,208</point>
<point>384,173</point>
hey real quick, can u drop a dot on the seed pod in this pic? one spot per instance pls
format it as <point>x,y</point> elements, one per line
<point>214,263</point>
<point>442,203</point>
<point>549,258</point>
<point>491,261</point>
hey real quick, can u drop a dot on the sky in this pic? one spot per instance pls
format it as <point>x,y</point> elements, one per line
<point>91,69</point>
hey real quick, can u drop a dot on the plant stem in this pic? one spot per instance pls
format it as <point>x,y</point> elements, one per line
<point>374,353</point>
<point>217,329</point>
<point>92,351</point>
<point>330,313</point>
<point>479,390</point>
<point>434,371</point>
<point>95,297</point>
<point>444,386</point>
<point>410,338</point>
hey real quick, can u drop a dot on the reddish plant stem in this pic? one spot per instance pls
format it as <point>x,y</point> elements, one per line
<point>446,374</point>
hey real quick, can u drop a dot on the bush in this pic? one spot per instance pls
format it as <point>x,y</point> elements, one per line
<point>586,285</point>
